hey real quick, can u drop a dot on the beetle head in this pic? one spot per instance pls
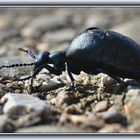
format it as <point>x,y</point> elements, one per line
<point>43,58</point>
<point>56,58</point>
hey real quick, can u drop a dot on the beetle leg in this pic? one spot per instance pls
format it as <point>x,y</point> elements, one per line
<point>53,70</point>
<point>35,72</point>
<point>70,75</point>
<point>111,75</point>
<point>116,78</point>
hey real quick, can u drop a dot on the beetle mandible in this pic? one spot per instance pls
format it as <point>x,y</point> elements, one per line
<point>93,51</point>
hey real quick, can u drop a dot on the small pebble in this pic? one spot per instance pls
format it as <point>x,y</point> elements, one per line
<point>51,85</point>
<point>115,117</point>
<point>2,86</point>
<point>16,100</point>
<point>72,109</point>
<point>134,128</point>
<point>64,99</point>
<point>106,80</point>
<point>86,121</point>
<point>30,119</point>
<point>6,126</point>
<point>101,106</point>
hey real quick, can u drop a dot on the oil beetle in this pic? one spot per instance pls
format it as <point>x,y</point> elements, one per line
<point>93,51</point>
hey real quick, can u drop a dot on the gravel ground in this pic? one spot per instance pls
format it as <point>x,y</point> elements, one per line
<point>97,104</point>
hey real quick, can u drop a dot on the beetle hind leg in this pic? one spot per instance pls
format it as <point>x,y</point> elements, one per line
<point>124,84</point>
<point>111,75</point>
<point>116,79</point>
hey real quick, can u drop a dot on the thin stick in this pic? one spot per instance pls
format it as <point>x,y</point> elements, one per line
<point>23,79</point>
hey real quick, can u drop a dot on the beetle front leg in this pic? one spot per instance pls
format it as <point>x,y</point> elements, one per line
<point>35,72</point>
<point>53,70</point>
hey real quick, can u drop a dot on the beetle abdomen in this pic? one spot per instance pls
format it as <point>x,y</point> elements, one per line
<point>126,60</point>
<point>106,50</point>
<point>86,48</point>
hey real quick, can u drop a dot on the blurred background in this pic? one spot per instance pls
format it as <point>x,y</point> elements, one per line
<point>43,29</point>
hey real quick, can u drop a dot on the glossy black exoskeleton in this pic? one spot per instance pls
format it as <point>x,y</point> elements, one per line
<point>93,51</point>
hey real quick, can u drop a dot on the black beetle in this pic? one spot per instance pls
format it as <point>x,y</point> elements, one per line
<point>93,51</point>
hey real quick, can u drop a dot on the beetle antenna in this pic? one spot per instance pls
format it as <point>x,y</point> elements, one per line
<point>29,52</point>
<point>16,65</point>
